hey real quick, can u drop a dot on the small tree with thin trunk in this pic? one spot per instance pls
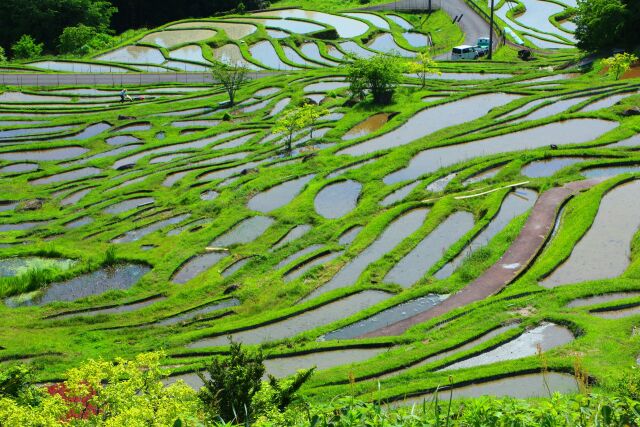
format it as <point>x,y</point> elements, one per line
<point>289,124</point>
<point>423,66</point>
<point>619,64</point>
<point>232,77</point>
<point>378,75</point>
<point>310,113</point>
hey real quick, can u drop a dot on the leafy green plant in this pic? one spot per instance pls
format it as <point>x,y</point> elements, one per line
<point>110,257</point>
<point>26,48</point>
<point>378,75</point>
<point>75,40</point>
<point>231,76</point>
<point>619,64</point>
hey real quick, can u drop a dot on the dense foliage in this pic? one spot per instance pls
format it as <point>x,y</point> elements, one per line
<point>608,24</point>
<point>378,76</point>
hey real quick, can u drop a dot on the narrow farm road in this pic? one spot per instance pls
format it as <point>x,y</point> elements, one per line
<point>522,252</point>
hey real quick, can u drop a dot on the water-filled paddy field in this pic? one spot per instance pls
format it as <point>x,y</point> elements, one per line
<point>173,223</point>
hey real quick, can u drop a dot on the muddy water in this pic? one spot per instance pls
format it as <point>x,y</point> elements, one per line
<point>556,107</point>
<point>290,327</point>
<point>280,105</point>
<point>354,48</point>
<point>337,200</point>
<point>89,132</point>
<point>139,233</point>
<point>52,154</point>
<point>469,76</point>
<point>295,57</point>
<point>134,54</point>
<point>114,152</point>
<point>106,279</point>
<point>517,387</point>
<point>266,92</point>
<point>134,127</point>
<point>515,204</point>
<point>293,26</point>
<point>386,44</point>
<point>617,314</point>
<point>325,86</point>
<point>20,226</point>
<point>80,222</point>
<point>233,31</point>
<point>78,67</point>
<point>190,315</point>
<point>417,262</point>
<point>277,34</point>
<point>611,233</point>
<point>172,38</point>
<point>308,264</point>
<point>634,141</point>
<point>265,53</point>
<point>368,126</point>
<point>195,123</point>
<point>121,140</point>
<point>545,168</point>
<point>233,268</point>
<point>311,50</point>
<point>128,205</point>
<point>417,39</point>
<point>609,172</point>
<point>75,197</point>
<point>386,317</point>
<point>374,20</point>
<point>601,299</point>
<point>278,196</point>
<point>66,176</point>
<point>400,21</point>
<point>353,166</point>
<point>346,27</point>
<point>246,231</point>
<point>547,336</point>
<point>19,168</point>
<point>209,195</point>
<point>300,254</point>
<point>574,131</point>
<point>231,54</point>
<point>399,194</point>
<point>125,308</point>
<point>8,206</point>
<point>11,267</point>
<point>293,234</point>
<point>197,265</point>
<point>226,173</point>
<point>487,174</point>
<point>395,233</point>
<point>432,120</point>
<point>607,102</point>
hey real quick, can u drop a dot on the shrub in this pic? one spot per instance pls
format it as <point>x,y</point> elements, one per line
<point>75,40</point>
<point>619,64</point>
<point>3,56</point>
<point>26,48</point>
<point>378,75</point>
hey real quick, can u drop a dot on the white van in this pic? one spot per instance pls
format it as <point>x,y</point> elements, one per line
<point>464,52</point>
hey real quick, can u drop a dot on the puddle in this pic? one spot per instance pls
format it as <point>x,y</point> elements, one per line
<point>134,127</point>
<point>78,67</point>
<point>295,325</point>
<point>611,233</point>
<point>231,54</point>
<point>548,167</point>
<point>8,206</point>
<point>115,152</point>
<point>311,50</point>
<point>226,173</point>
<point>310,263</point>
<point>440,184</point>
<point>280,105</point>
<point>634,141</point>
<point>295,57</point>
<point>293,234</point>
<point>417,39</point>
<point>233,268</point>
<point>30,98</point>
<point>80,222</point>
<point>435,119</point>
<point>246,231</point>
<point>277,34</point>
<point>51,154</point>
<point>617,314</point>
<point>134,54</point>
<point>610,171</point>
<point>180,113</point>
<point>266,92</point>
<point>385,318</point>
<point>12,267</point>
<point>125,308</point>
<point>286,366</point>
<point>209,195</point>
<point>355,49</point>
<point>121,140</point>
<point>118,277</point>
<point>386,44</point>
<point>265,53</point>
<point>400,21</point>
<point>547,336</point>
<point>374,20</point>
<point>128,205</point>
<point>468,76</point>
<point>192,227</point>
<point>396,232</point>
<point>290,25</point>
<point>197,265</point>
<point>601,299</point>
<point>350,235</point>
<point>28,225</point>
<point>399,194</point>
<point>89,132</point>
<point>333,52</point>
<point>337,200</point>
<point>279,195</point>
<point>607,102</point>
<point>574,131</point>
<point>12,133</point>
<point>169,39</point>
<point>19,168</point>
<point>346,27</point>
<point>75,197</point>
<point>515,204</point>
<point>195,123</point>
<point>168,158</point>
<point>67,176</point>
<point>556,107</point>
<point>517,387</point>
<point>353,166</point>
<point>325,86</point>
<point>192,314</point>
<point>139,233</point>
<point>234,31</point>
<point>366,127</point>
<point>416,263</point>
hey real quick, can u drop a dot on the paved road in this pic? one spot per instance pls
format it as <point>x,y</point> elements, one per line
<point>522,252</point>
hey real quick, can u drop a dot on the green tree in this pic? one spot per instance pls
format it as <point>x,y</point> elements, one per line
<point>289,124</point>
<point>76,40</point>
<point>26,48</point>
<point>606,24</point>
<point>423,66</point>
<point>230,384</point>
<point>619,64</point>
<point>231,76</point>
<point>378,75</point>
<point>310,113</point>
<point>3,56</point>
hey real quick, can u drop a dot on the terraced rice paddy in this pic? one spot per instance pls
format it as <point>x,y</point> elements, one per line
<point>168,223</point>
